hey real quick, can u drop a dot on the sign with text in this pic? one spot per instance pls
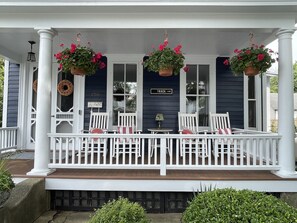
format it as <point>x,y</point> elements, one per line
<point>161,91</point>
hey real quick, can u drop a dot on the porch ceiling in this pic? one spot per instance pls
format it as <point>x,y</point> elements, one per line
<point>219,42</point>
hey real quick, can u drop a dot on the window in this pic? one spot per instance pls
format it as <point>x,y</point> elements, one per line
<point>124,86</point>
<point>197,88</point>
<point>124,89</point>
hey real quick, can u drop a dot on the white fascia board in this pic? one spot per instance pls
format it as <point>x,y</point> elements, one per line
<point>168,185</point>
<point>9,55</point>
<point>148,20</point>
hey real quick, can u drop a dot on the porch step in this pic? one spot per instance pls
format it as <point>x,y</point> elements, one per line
<point>81,217</point>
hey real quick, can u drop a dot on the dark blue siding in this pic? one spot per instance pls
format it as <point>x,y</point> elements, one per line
<point>13,94</point>
<point>95,90</point>
<point>166,104</point>
<point>229,94</point>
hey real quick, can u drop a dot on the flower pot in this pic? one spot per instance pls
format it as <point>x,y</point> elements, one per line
<point>166,72</point>
<point>251,71</point>
<point>77,71</point>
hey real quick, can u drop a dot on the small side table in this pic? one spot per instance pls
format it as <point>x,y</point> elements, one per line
<point>159,131</point>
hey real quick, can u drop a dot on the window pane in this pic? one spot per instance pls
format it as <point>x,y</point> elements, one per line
<point>191,79</point>
<point>203,110</point>
<point>131,73</point>
<point>252,114</point>
<point>130,104</point>
<point>251,87</point>
<point>203,79</point>
<point>191,105</point>
<point>118,105</point>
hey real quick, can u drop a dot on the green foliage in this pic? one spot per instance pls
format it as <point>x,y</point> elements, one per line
<point>165,58</point>
<point>232,206</point>
<point>255,56</point>
<point>6,183</point>
<point>81,57</point>
<point>120,211</point>
<point>274,81</point>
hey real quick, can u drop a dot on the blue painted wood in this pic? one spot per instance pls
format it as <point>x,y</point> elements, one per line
<point>229,94</point>
<point>13,94</point>
<point>95,90</point>
<point>166,104</point>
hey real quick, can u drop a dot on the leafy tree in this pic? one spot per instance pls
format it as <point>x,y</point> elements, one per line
<point>274,81</point>
<point>1,88</point>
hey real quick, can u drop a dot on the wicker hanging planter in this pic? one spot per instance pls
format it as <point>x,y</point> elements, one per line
<point>251,71</point>
<point>166,72</point>
<point>77,71</point>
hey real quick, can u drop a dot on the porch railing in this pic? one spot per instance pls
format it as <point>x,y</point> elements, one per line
<point>8,138</point>
<point>244,151</point>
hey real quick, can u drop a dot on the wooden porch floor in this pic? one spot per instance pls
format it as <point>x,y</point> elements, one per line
<point>19,167</point>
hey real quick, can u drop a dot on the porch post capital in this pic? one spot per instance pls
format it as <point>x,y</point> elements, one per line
<point>282,33</point>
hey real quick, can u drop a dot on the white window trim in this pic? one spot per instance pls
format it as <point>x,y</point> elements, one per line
<point>258,103</point>
<point>200,60</point>
<point>124,58</point>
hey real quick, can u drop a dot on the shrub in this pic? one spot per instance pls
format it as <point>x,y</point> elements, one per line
<point>6,183</point>
<point>232,206</point>
<point>120,211</point>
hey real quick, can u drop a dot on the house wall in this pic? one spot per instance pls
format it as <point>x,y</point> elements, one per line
<point>229,94</point>
<point>166,104</point>
<point>95,92</point>
<point>13,94</point>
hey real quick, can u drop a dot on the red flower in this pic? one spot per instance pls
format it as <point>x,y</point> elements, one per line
<point>73,48</point>
<point>186,69</point>
<point>261,57</point>
<point>60,66</point>
<point>93,60</point>
<point>98,56</point>
<point>62,45</point>
<point>236,50</point>
<point>177,49</point>
<point>239,58</point>
<point>262,46</point>
<point>226,62</point>
<point>248,52</point>
<point>161,47</point>
<point>58,56</point>
<point>102,65</point>
<point>165,42</point>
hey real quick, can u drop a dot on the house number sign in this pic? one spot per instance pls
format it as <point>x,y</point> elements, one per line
<point>161,91</point>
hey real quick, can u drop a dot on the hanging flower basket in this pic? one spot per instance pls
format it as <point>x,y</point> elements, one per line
<point>78,71</point>
<point>251,71</point>
<point>166,72</point>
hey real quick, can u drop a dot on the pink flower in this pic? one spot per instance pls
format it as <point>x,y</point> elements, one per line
<point>165,42</point>
<point>248,52</point>
<point>73,48</point>
<point>236,50</point>
<point>60,66</point>
<point>226,62</point>
<point>177,49</point>
<point>161,47</point>
<point>93,60</point>
<point>261,57</point>
<point>239,58</point>
<point>271,51</point>
<point>186,69</point>
<point>98,56</point>
<point>62,45</point>
<point>262,46</point>
<point>102,65</point>
<point>58,56</point>
<point>66,56</point>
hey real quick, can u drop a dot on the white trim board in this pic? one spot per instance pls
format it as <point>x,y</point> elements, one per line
<point>168,185</point>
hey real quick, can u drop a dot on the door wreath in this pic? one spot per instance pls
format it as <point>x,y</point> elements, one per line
<point>65,88</point>
<point>35,86</point>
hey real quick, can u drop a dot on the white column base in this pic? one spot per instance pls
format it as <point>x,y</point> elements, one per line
<point>44,172</point>
<point>285,174</point>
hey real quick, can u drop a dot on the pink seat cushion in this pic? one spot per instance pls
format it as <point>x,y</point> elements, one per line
<point>187,131</point>
<point>125,130</point>
<point>97,131</point>
<point>225,131</point>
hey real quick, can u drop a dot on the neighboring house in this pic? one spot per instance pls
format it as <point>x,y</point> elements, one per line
<point>125,31</point>
<point>274,106</point>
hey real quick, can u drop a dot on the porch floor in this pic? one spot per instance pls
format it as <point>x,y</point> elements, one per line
<point>19,167</point>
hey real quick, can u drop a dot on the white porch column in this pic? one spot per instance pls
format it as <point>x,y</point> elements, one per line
<point>286,104</point>
<point>43,111</point>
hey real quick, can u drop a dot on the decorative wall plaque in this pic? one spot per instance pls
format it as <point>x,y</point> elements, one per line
<point>161,91</point>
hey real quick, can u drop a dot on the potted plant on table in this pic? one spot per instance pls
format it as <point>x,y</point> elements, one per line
<point>251,60</point>
<point>79,60</point>
<point>166,61</point>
